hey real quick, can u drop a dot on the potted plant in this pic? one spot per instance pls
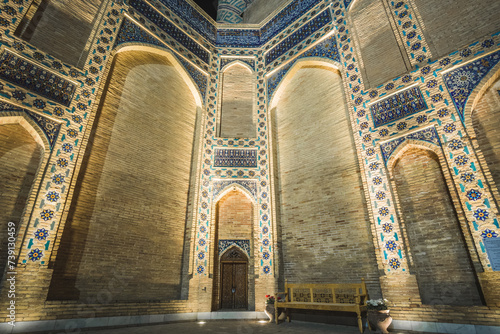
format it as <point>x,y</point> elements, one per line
<point>378,314</point>
<point>269,310</point>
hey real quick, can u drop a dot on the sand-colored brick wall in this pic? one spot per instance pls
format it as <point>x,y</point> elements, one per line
<point>61,28</point>
<point>376,42</point>
<point>235,217</point>
<point>20,157</point>
<point>486,123</point>
<point>436,249</point>
<point>462,23</point>
<point>130,204</point>
<point>237,103</point>
<point>324,228</point>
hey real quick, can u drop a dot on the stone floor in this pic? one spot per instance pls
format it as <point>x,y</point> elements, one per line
<point>235,327</point>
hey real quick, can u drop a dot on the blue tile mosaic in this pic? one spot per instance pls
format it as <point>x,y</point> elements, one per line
<point>429,135</point>
<point>289,14</point>
<point>347,3</point>
<point>199,78</point>
<point>50,128</point>
<point>199,22</point>
<point>250,185</point>
<point>243,244</point>
<point>129,32</point>
<point>177,34</point>
<point>462,81</point>
<point>232,157</point>
<point>398,106</point>
<point>298,36</point>
<point>229,11</point>
<point>238,38</point>
<point>325,49</point>
<point>23,73</point>
<point>225,61</point>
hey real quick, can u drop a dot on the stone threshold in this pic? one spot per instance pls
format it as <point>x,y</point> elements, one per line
<point>442,327</point>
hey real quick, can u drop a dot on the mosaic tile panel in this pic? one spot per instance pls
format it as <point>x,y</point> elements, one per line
<point>298,36</point>
<point>326,49</point>
<point>289,14</point>
<point>50,128</point>
<point>229,11</point>
<point>199,78</point>
<point>398,106</point>
<point>249,61</point>
<point>238,38</point>
<point>25,74</point>
<point>235,158</point>
<point>243,244</point>
<point>429,135</point>
<point>462,81</point>
<point>171,29</point>
<point>129,32</point>
<point>199,22</point>
<point>250,185</point>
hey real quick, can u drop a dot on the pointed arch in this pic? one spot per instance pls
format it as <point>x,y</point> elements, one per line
<point>21,118</point>
<point>236,62</point>
<point>297,65</point>
<point>410,144</point>
<point>173,60</point>
<point>235,186</point>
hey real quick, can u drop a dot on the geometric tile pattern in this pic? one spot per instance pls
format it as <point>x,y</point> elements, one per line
<point>225,61</point>
<point>199,22</point>
<point>250,185</point>
<point>170,29</point>
<point>298,36</point>
<point>129,32</point>
<point>286,16</point>
<point>398,106</point>
<point>229,11</point>
<point>462,81</point>
<point>325,49</point>
<point>238,38</point>
<point>36,79</point>
<point>428,134</point>
<point>347,3</point>
<point>50,128</point>
<point>225,157</point>
<point>243,244</point>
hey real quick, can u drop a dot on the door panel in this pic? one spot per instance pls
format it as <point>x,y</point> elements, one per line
<point>240,283</point>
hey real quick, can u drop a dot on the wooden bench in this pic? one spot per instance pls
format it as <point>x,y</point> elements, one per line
<point>325,297</point>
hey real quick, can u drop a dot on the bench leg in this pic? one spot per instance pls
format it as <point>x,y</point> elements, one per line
<point>288,315</point>
<point>360,323</point>
<point>276,312</point>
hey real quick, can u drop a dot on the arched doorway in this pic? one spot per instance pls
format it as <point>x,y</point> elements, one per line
<point>234,278</point>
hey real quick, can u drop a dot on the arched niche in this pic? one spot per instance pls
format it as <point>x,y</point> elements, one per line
<point>434,239</point>
<point>237,119</point>
<point>22,153</point>
<point>133,201</point>
<point>320,204</point>
<point>233,229</point>
<point>61,28</point>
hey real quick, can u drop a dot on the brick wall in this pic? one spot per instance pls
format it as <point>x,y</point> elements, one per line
<point>324,228</point>
<point>449,32</point>
<point>436,249</point>
<point>237,103</point>
<point>20,157</point>
<point>376,41</point>
<point>486,123</point>
<point>130,203</point>
<point>61,27</point>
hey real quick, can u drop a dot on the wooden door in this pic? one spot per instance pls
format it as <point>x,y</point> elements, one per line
<point>234,278</point>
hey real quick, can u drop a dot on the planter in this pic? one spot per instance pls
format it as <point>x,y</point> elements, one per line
<point>381,319</point>
<point>269,310</point>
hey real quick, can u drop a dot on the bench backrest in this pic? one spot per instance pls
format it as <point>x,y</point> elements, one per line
<point>349,293</point>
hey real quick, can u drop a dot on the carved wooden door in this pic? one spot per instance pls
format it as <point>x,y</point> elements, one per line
<point>234,285</point>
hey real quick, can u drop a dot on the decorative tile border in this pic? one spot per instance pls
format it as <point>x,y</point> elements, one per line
<point>461,82</point>
<point>238,38</point>
<point>397,106</point>
<point>50,128</point>
<point>235,158</point>
<point>243,244</point>
<point>28,75</point>
<point>429,135</point>
<point>298,36</point>
<point>177,34</point>
<point>250,185</point>
<point>224,61</point>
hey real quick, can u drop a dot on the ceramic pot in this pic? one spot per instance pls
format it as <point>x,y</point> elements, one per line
<point>381,319</point>
<point>269,310</point>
